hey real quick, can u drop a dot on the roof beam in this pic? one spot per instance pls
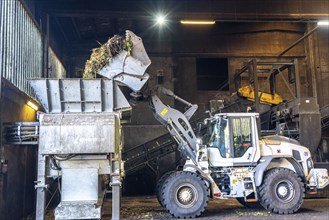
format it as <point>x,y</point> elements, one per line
<point>228,17</point>
<point>76,28</point>
<point>224,10</point>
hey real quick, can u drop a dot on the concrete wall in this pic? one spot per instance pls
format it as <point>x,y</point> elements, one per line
<point>160,67</point>
<point>317,67</point>
<point>143,125</point>
<point>186,86</point>
<point>239,43</point>
<point>17,194</point>
<point>322,67</point>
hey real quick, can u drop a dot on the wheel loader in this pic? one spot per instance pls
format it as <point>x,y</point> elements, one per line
<point>231,160</point>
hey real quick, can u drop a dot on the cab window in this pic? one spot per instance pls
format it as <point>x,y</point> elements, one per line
<point>220,136</point>
<point>241,134</point>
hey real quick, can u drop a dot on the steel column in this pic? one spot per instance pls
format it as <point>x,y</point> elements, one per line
<point>116,190</point>
<point>41,188</point>
<point>297,76</point>
<point>255,78</point>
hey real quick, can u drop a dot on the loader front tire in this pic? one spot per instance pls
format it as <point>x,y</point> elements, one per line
<point>158,189</point>
<point>185,195</point>
<point>282,191</point>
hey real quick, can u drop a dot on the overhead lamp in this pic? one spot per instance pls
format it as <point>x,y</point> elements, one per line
<point>198,22</point>
<point>323,23</point>
<point>32,105</point>
<point>160,19</point>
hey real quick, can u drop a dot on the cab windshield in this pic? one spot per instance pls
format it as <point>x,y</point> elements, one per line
<point>218,135</point>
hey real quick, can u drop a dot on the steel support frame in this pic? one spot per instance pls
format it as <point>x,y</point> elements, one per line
<point>251,68</point>
<point>41,188</point>
<point>277,68</point>
<point>116,187</point>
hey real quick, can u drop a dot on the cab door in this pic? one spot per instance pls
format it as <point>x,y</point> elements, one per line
<point>244,141</point>
<point>219,143</point>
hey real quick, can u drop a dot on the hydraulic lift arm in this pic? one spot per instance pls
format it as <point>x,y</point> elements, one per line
<point>177,123</point>
<point>191,107</point>
<point>180,129</point>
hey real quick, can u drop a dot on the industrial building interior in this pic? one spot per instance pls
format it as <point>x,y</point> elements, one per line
<point>273,47</point>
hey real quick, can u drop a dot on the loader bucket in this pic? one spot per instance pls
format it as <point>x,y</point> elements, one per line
<point>134,83</point>
<point>135,64</point>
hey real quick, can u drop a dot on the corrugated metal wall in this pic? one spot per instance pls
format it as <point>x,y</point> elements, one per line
<point>55,66</point>
<point>21,45</point>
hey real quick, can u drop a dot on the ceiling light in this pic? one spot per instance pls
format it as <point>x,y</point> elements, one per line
<point>323,23</point>
<point>198,22</point>
<point>32,105</point>
<point>160,19</point>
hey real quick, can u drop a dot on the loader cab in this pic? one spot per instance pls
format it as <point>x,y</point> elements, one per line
<point>232,140</point>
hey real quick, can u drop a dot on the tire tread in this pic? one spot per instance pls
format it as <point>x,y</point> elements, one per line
<point>267,201</point>
<point>167,204</point>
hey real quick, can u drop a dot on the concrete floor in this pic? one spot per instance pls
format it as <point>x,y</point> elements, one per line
<point>149,208</point>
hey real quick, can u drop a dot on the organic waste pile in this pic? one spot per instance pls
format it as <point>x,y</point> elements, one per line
<point>104,54</point>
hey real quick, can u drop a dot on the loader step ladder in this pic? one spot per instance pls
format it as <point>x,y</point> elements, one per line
<point>249,191</point>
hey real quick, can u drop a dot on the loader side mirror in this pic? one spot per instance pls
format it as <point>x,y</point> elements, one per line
<point>199,127</point>
<point>209,112</point>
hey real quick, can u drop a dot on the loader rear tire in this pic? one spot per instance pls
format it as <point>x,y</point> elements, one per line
<point>185,195</point>
<point>282,191</point>
<point>158,189</point>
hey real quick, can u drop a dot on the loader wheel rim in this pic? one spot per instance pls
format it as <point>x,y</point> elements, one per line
<point>285,191</point>
<point>186,195</point>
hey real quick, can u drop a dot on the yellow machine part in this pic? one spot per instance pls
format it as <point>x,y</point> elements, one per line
<point>266,98</point>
